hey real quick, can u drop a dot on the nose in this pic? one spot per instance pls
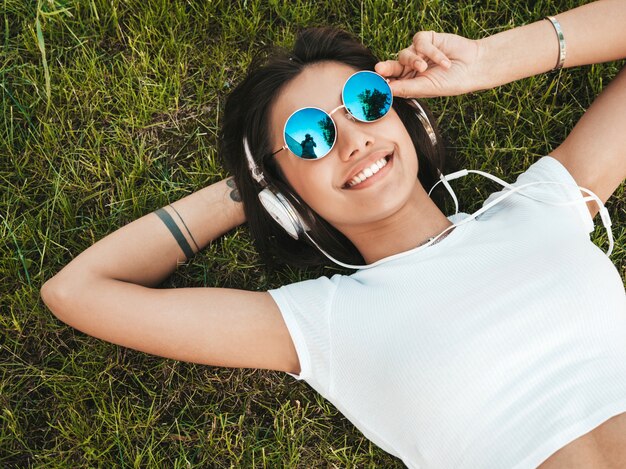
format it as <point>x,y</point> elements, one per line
<point>353,137</point>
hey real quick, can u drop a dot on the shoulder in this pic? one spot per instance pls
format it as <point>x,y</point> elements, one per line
<point>547,188</point>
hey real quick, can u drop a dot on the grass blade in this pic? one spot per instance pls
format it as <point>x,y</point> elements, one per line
<point>42,48</point>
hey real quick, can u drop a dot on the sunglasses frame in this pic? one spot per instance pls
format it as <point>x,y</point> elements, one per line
<point>349,115</point>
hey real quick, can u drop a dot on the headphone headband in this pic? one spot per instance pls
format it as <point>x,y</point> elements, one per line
<point>421,115</point>
<point>256,172</point>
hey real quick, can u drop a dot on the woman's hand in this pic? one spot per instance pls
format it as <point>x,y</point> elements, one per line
<point>435,64</point>
<point>439,64</point>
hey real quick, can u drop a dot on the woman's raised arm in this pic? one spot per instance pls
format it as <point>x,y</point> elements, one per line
<point>144,252</point>
<point>440,64</point>
<point>105,292</point>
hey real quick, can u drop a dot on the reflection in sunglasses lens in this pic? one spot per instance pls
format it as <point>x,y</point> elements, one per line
<point>367,96</point>
<point>310,133</point>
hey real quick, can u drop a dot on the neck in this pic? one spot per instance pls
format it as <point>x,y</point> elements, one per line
<point>411,226</point>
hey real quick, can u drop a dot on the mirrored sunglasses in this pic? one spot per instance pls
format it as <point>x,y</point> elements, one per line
<point>310,133</point>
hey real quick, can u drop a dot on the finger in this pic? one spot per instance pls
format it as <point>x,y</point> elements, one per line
<point>409,75</point>
<point>392,70</point>
<point>389,68</point>
<point>423,43</point>
<point>417,87</point>
<point>409,58</point>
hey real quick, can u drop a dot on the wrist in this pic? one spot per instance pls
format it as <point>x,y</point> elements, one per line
<point>484,66</point>
<point>517,53</point>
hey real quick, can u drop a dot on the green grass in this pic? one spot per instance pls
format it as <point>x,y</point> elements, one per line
<point>110,110</point>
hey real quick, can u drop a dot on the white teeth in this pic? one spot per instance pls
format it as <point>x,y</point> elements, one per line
<point>368,172</point>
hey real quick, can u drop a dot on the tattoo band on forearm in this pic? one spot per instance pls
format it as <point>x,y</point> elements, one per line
<point>185,225</point>
<point>178,235</point>
<point>234,194</point>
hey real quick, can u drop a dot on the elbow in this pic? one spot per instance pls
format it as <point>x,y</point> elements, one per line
<point>49,295</point>
<point>56,295</point>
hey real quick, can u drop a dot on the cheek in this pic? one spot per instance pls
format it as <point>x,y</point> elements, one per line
<point>302,180</point>
<point>313,187</point>
<point>408,150</point>
<point>310,183</point>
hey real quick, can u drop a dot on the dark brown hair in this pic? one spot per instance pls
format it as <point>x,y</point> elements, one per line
<point>247,112</point>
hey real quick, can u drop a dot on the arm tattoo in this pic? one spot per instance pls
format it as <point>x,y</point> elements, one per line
<point>178,235</point>
<point>234,194</point>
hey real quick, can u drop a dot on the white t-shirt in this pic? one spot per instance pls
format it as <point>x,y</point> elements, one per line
<point>493,348</point>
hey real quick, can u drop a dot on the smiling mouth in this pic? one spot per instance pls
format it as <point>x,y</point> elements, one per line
<point>368,172</point>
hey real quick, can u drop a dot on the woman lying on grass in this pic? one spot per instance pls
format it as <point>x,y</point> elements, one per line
<point>496,339</point>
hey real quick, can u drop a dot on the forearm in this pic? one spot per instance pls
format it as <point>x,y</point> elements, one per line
<point>145,252</point>
<point>593,33</point>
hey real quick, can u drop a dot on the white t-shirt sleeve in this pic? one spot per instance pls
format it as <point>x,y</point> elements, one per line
<point>306,310</point>
<point>548,168</point>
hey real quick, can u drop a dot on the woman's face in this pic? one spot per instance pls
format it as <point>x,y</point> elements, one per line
<point>325,184</point>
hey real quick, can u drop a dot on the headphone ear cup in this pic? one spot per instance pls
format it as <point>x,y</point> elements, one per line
<point>281,210</point>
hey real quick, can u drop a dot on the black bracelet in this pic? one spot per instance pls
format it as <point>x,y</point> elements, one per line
<point>178,235</point>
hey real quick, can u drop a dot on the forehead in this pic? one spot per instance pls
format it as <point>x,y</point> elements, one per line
<point>318,85</point>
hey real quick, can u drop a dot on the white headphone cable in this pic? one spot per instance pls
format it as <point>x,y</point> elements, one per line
<point>604,214</point>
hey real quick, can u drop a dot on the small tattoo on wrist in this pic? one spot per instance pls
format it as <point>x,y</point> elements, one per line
<point>234,194</point>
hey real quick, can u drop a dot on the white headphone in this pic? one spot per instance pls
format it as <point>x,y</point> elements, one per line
<point>274,202</point>
<point>281,210</point>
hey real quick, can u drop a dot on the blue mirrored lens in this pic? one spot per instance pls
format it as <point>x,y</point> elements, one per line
<point>367,96</point>
<point>310,133</point>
